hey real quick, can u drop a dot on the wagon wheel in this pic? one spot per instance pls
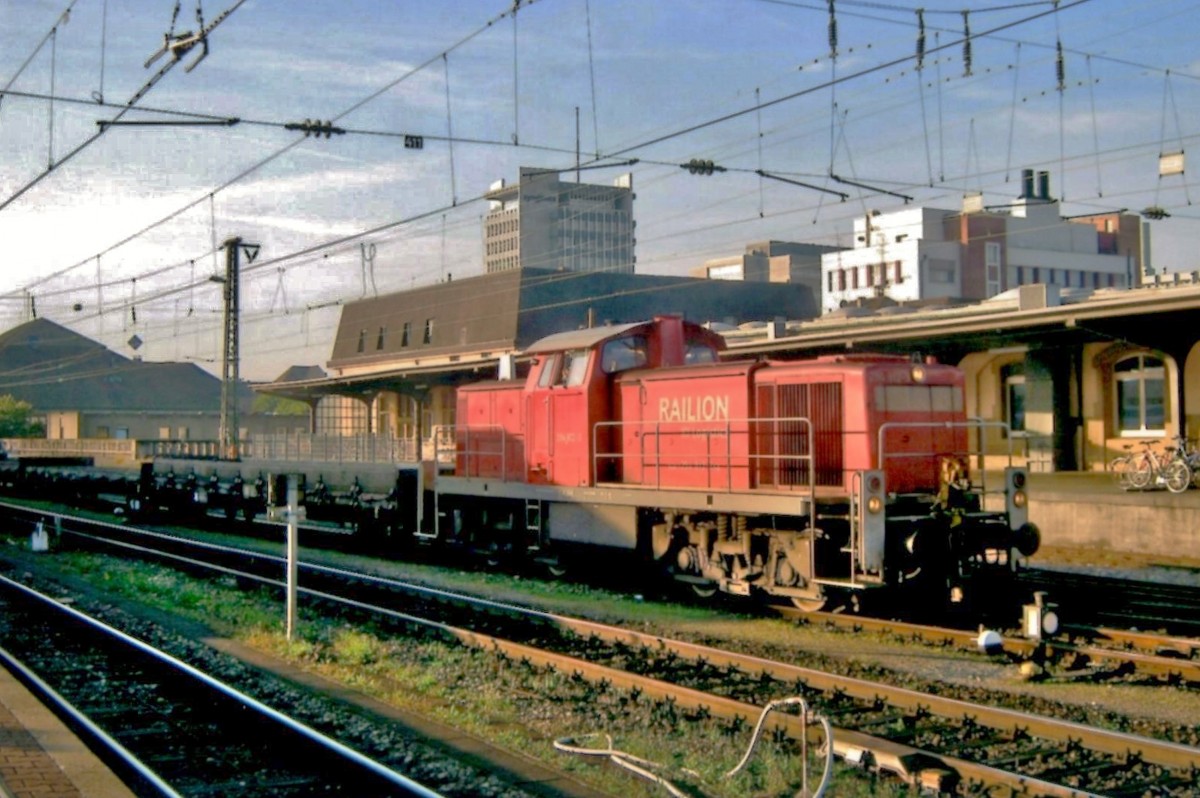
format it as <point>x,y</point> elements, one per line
<point>809,604</point>
<point>556,568</point>
<point>703,591</point>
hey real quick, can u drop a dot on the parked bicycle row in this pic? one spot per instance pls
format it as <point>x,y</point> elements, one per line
<point>1176,468</point>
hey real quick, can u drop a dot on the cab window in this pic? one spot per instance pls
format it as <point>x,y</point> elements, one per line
<point>551,368</point>
<point>574,367</point>
<point>699,353</point>
<point>622,354</point>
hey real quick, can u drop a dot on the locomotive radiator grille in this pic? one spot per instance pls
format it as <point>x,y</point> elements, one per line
<point>785,447</point>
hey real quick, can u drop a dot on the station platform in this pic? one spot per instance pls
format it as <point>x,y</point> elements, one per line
<point>1154,532</point>
<point>42,758</point>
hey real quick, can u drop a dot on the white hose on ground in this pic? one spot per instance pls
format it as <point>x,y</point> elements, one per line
<point>645,768</point>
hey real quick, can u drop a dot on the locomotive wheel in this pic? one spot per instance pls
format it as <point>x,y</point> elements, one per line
<point>810,604</point>
<point>804,604</point>
<point>557,569</point>
<point>705,591</point>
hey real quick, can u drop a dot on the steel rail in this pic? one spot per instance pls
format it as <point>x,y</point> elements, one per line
<point>1178,665</point>
<point>1146,642</point>
<point>1173,668</point>
<point>1167,754</point>
<point>1124,746</point>
<point>923,769</point>
<point>917,767</point>
<point>116,755</point>
<point>387,774</point>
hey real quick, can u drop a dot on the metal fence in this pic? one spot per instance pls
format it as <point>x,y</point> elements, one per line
<point>302,447</point>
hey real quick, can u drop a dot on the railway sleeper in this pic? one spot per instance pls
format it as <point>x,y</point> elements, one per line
<point>1025,756</point>
<point>1162,784</point>
<point>1091,770</point>
<point>894,725</point>
<point>967,746</point>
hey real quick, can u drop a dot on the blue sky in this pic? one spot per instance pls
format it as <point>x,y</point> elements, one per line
<point>126,227</point>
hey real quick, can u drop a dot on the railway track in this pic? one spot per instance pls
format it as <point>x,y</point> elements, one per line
<point>167,726</point>
<point>1099,652</point>
<point>1109,602</point>
<point>928,740</point>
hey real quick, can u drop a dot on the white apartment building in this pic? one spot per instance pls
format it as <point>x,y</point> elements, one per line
<point>545,223</point>
<point>919,254</point>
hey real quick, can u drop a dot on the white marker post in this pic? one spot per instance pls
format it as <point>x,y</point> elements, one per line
<point>39,540</point>
<point>293,532</point>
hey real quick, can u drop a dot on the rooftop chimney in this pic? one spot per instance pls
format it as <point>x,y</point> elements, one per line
<point>1026,184</point>
<point>1043,186</point>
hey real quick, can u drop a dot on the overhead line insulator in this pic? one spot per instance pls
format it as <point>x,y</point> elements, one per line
<point>920,39</point>
<point>316,128</point>
<point>698,166</point>
<point>966,16</point>
<point>1060,67</point>
<point>833,37</point>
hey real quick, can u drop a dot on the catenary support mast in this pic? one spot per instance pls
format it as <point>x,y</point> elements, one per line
<point>230,359</point>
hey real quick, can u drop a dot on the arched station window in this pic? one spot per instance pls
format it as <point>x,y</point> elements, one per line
<point>1140,389</point>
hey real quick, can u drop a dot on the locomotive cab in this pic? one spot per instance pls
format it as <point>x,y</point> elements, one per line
<point>569,395</point>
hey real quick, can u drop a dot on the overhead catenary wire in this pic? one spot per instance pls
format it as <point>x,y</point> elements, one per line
<point>760,112</point>
<point>516,73</point>
<point>1169,99</point>
<point>450,131</point>
<point>399,223</point>
<point>1095,127</point>
<point>587,12</point>
<point>50,34</point>
<point>146,87</point>
<point>273,156</point>
<point>50,116</point>
<point>398,134</point>
<point>1012,112</point>
<point>148,299</point>
<point>98,95</point>
<point>838,80</point>
<point>920,75</point>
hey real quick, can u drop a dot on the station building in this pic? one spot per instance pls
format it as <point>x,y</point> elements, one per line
<point>923,254</point>
<point>1078,375</point>
<point>397,359</point>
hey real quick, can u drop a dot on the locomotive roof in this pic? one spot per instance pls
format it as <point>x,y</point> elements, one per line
<point>581,339</point>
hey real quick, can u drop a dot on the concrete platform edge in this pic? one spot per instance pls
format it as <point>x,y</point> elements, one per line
<point>91,776</point>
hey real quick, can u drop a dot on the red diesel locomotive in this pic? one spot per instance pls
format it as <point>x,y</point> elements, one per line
<point>806,480</point>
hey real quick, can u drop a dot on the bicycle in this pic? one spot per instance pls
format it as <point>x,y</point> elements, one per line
<point>1146,468</point>
<point>1180,473</point>
<point>1122,466</point>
